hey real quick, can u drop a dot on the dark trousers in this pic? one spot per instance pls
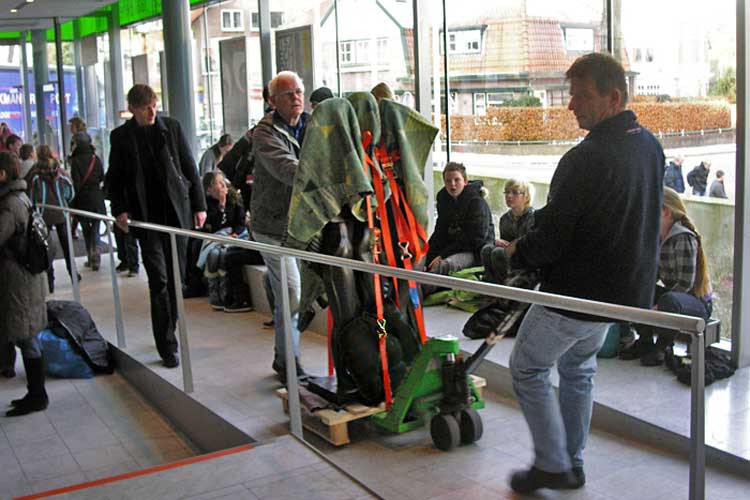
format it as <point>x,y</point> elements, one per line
<point>127,248</point>
<point>90,234</point>
<point>62,237</point>
<point>157,259</point>
<point>233,260</point>
<point>674,302</point>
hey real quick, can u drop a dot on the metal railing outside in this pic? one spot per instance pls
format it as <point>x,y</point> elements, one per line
<point>688,324</point>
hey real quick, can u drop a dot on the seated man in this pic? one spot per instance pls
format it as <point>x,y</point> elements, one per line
<point>463,227</point>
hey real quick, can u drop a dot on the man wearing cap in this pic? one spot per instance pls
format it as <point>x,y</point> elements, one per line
<point>319,95</point>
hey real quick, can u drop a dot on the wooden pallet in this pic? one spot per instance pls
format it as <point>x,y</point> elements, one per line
<point>333,426</point>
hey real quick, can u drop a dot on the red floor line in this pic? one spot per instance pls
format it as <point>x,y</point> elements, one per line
<point>143,472</point>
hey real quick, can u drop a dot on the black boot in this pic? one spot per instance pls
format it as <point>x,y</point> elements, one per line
<point>95,260</point>
<point>239,297</point>
<point>36,399</point>
<point>214,297</point>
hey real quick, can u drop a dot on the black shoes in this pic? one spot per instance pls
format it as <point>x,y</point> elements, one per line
<point>171,361</point>
<point>281,371</point>
<point>533,479</point>
<point>238,306</point>
<point>579,475</point>
<point>653,358</point>
<point>121,267</point>
<point>36,398</point>
<point>637,350</point>
<point>268,324</point>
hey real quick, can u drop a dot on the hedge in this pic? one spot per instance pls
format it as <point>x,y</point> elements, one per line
<point>558,123</point>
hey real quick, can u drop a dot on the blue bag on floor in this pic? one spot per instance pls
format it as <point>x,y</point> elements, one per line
<point>611,344</point>
<point>60,360</point>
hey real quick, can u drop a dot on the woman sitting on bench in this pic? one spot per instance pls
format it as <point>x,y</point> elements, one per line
<point>683,272</point>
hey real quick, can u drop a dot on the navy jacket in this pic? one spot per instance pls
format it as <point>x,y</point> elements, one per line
<point>673,177</point>
<point>598,236</point>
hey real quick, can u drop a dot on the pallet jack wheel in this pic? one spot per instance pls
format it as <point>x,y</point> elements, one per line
<point>471,426</point>
<point>445,432</point>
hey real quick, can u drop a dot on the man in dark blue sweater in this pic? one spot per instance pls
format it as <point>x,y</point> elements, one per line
<point>597,238</point>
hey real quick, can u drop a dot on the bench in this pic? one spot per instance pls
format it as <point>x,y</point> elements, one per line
<point>712,333</point>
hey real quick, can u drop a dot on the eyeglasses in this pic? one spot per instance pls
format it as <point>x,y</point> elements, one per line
<point>514,192</point>
<point>291,93</point>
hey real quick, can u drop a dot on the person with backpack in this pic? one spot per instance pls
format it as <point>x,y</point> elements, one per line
<point>88,176</point>
<point>23,312</point>
<point>48,183</point>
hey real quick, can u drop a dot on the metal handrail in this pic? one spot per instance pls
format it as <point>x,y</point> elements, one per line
<point>694,326</point>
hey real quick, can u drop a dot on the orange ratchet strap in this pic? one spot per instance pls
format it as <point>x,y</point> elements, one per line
<point>376,249</point>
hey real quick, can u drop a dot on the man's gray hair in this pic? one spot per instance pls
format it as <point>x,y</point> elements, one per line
<point>281,75</point>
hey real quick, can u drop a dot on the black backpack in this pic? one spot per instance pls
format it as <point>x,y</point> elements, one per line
<point>36,252</point>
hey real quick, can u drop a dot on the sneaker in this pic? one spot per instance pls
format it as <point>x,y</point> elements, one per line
<point>132,272</point>
<point>533,479</point>
<point>121,267</point>
<point>238,307</point>
<point>268,325</point>
<point>171,361</point>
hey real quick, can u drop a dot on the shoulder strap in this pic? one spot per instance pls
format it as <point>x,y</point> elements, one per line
<point>88,172</point>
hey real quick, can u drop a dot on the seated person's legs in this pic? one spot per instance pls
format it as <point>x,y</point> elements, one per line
<point>678,303</point>
<point>238,299</point>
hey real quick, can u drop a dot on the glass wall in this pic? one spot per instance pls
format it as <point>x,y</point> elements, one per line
<point>685,91</point>
<point>505,95</point>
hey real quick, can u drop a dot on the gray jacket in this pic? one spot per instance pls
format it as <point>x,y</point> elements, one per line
<point>276,157</point>
<point>23,312</point>
<point>717,190</point>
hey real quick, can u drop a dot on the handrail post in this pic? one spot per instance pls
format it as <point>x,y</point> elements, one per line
<point>291,363</point>
<point>697,418</point>
<point>119,328</point>
<point>71,258</point>
<point>187,369</point>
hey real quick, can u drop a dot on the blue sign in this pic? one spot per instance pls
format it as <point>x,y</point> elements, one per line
<point>11,98</point>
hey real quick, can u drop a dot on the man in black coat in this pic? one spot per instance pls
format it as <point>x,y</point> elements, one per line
<point>598,239</point>
<point>152,177</point>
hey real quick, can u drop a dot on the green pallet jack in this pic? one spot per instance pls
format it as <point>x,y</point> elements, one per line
<point>439,389</point>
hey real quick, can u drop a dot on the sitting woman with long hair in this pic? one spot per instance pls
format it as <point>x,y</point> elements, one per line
<point>227,290</point>
<point>684,286</point>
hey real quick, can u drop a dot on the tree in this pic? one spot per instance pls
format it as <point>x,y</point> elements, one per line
<point>725,85</point>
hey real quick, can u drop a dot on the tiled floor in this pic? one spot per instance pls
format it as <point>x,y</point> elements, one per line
<point>284,469</point>
<point>93,428</point>
<point>231,365</point>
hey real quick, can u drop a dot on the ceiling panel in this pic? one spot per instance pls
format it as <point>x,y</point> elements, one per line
<point>40,13</point>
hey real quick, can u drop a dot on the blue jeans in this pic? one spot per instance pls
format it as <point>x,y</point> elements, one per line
<point>273,263</point>
<point>559,428</point>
